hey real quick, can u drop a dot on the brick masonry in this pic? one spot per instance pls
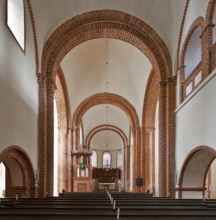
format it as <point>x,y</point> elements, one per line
<point>105,24</point>
<point>116,25</point>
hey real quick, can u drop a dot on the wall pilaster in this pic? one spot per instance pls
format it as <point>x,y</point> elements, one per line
<point>50,137</point>
<point>42,131</point>
<point>162,141</point>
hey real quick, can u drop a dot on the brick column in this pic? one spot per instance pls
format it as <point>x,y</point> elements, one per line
<point>181,84</point>
<point>62,158</point>
<point>75,143</point>
<point>171,163</point>
<point>149,158</point>
<point>69,160</point>
<point>136,157</point>
<point>162,141</point>
<point>126,168</point>
<point>50,137</point>
<point>42,131</point>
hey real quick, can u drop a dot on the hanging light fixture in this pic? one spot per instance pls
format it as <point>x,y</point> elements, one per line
<point>107,136</point>
<point>107,90</point>
<point>82,151</point>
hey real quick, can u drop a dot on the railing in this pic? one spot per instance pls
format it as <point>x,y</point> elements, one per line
<point>192,81</point>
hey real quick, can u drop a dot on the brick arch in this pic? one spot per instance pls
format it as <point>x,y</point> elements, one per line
<point>148,123</point>
<point>210,11</point>
<point>22,166</point>
<point>125,106</point>
<point>150,100</point>
<point>99,128</point>
<point>64,121</point>
<point>21,157</point>
<point>210,44</point>
<point>180,35</point>
<point>91,25</point>
<point>195,167</point>
<point>105,24</point>
<point>106,98</point>
<point>62,100</point>
<point>199,22</point>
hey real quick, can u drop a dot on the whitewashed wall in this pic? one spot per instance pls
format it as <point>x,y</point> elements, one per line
<point>196,121</point>
<point>18,91</point>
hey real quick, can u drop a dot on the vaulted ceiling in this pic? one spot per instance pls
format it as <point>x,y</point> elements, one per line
<point>108,65</point>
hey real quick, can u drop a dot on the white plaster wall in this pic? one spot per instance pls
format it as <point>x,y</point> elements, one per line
<point>89,66</point>
<point>192,195</point>
<point>163,16</point>
<point>18,91</point>
<point>196,121</point>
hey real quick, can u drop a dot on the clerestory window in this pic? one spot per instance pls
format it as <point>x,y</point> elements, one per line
<point>15,20</point>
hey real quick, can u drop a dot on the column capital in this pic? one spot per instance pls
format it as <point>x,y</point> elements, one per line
<point>40,78</point>
<point>163,83</point>
<point>207,27</point>
<point>150,128</point>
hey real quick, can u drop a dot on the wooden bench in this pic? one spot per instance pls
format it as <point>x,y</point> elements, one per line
<point>81,206</point>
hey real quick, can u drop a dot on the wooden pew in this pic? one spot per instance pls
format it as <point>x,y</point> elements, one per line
<point>83,206</point>
<point>142,207</point>
<point>53,208</point>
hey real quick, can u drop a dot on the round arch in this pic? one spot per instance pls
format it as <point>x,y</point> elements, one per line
<point>125,106</point>
<point>99,128</point>
<point>194,169</point>
<point>64,120</point>
<point>92,25</point>
<point>198,23</point>
<point>148,124</point>
<point>22,159</point>
<point>210,11</point>
<point>105,24</point>
<point>106,98</point>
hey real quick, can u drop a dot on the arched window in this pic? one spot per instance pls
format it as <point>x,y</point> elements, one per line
<point>16,20</point>
<point>107,160</point>
<point>94,158</point>
<point>193,52</point>
<point>119,159</point>
<point>192,62</point>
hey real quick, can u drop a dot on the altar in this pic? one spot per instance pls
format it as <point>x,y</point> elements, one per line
<point>106,178</point>
<point>106,186</point>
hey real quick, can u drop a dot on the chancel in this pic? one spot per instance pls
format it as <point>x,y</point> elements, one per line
<point>108,101</point>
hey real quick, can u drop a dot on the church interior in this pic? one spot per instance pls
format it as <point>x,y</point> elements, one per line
<point>111,95</point>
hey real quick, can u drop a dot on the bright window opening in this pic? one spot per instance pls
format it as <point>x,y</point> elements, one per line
<point>16,20</point>
<point>193,52</point>
<point>119,159</point>
<point>2,180</point>
<point>94,158</point>
<point>55,149</point>
<point>106,160</point>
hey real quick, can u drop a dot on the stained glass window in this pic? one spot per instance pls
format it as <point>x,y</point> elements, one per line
<point>106,160</point>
